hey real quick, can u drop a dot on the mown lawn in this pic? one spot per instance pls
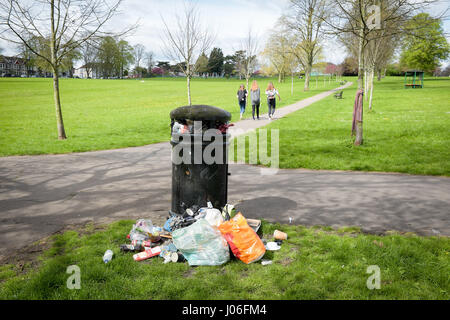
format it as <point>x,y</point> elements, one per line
<point>407,131</point>
<point>109,114</point>
<point>314,263</point>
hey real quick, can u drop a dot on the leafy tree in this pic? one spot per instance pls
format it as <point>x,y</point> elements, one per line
<point>426,45</point>
<point>114,57</point>
<point>107,57</point>
<point>163,65</point>
<point>305,18</point>
<point>158,71</point>
<point>229,66</point>
<point>201,66</point>
<point>216,60</point>
<point>350,66</point>
<point>239,63</point>
<point>124,57</point>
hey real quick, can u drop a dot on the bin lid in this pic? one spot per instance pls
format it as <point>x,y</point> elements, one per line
<point>200,112</point>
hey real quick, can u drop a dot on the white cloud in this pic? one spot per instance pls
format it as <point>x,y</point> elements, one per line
<point>229,20</point>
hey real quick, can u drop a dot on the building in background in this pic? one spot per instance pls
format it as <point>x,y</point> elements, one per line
<point>15,67</point>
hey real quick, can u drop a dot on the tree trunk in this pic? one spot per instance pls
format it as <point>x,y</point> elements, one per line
<point>372,76</point>
<point>359,133</point>
<point>307,79</point>
<point>292,83</point>
<point>379,74</point>
<point>59,118</point>
<point>189,90</point>
<point>359,124</point>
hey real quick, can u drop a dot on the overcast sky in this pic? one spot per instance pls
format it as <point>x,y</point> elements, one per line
<point>228,19</point>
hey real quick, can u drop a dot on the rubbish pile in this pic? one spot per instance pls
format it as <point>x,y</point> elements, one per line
<point>201,236</point>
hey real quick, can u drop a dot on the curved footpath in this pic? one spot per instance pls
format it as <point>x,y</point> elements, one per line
<point>41,195</point>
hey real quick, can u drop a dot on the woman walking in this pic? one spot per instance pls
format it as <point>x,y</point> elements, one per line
<point>242,98</point>
<point>271,92</point>
<point>255,95</point>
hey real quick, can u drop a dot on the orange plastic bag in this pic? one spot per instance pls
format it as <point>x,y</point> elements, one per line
<point>243,240</point>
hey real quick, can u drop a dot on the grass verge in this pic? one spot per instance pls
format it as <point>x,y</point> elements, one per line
<point>407,131</point>
<point>314,263</point>
<point>112,114</point>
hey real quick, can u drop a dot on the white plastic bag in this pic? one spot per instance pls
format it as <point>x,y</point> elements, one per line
<point>201,244</point>
<point>143,229</point>
<point>214,217</point>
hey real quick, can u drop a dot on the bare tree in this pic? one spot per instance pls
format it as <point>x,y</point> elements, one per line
<point>186,41</point>
<point>250,49</point>
<point>378,53</point>
<point>88,55</point>
<point>64,25</point>
<point>306,20</point>
<point>138,52</point>
<point>369,20</point>
<point>149,60</point>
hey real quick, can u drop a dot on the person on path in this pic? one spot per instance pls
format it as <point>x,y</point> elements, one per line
<point>242,98</point>
<point>255,95</point>
<point>271,92</point>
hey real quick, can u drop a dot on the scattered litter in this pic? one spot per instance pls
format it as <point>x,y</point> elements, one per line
<point>148,253</point>
<point>435,231</point>
<point>227,212</point>
<point>272,246</point>
<point>254,224</point>
<point>177,257</point>
<point>279,242</point>
<point>130,248</point>
<point>279,235</point>
<point>266,262</point>
<point>243,240</point>
<point>107,257</point>
<point>144,230</point>
<point>202,236</point>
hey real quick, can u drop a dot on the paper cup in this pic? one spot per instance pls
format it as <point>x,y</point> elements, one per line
<point>279,235</point>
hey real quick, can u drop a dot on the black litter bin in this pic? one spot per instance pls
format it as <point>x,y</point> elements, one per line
<point>194,182</point>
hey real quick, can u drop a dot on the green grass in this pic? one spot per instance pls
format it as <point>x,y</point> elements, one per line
<point>314,263</point>
<point>109,114</point>
<point>407,131</point>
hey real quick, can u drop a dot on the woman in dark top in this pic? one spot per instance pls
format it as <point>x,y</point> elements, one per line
<point>242,98</point>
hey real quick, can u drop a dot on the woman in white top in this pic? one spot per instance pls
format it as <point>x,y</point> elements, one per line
<point>271,92</point>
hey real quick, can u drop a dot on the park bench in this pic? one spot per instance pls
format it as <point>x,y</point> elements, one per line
<point>338,95</point>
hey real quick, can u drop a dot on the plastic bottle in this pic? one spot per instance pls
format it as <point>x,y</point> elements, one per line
<point>108,256</point>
